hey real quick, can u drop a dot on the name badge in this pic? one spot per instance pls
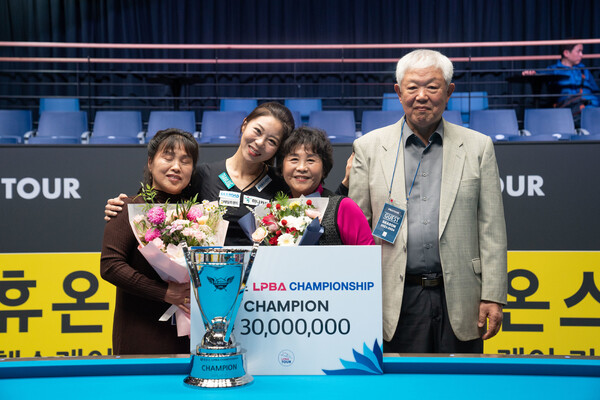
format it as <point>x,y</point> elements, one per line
<point>254,201</point>
<point>229,199</point>
<point>224,177</point>
<point>263,183</point>
<point>389,223</point>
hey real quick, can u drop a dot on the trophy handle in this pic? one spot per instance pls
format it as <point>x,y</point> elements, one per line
<point>242,289</point>
<point>195,279</point>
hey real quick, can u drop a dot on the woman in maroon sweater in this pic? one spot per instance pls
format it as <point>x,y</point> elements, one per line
<point>142,296</point>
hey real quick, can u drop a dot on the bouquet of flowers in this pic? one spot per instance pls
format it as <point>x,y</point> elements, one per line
<point>163,229</point>
<point>170,227</point>
<point>289,222</point>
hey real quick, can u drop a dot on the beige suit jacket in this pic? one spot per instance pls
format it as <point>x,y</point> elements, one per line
<point>472,231</point>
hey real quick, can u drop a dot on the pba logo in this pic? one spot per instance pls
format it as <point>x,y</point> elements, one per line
<point>286,358</point>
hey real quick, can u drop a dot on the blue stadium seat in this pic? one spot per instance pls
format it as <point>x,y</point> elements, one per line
<point>304,106</point>
<point>372,119</point>
<point>114,140</point>
<point>391,102</point>
<point>297,119</point>
<point>548,121</point>
<point>10,140</point>
<point>245,105</point>
<point>222,126</point>
<point>595,136</point>
<point>543,137</point>
<point>117,127</point>
<point>590,120</point>
<point>497,124</point>
<point>14,124</point>
<point>54,140</point>
<point>159,120</point>
<point>339,126</point>
<point>465,102</point>
<point>453,116</point>
<point>59,104</point>
<point>61,127</point>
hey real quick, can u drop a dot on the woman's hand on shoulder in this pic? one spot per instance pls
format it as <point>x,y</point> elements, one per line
<point>114,206</point>
<point>346,180</point>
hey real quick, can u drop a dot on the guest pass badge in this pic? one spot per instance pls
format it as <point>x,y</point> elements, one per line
<point>389,223</point>
<point>229,199</point>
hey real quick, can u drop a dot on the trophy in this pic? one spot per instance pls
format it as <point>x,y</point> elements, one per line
<point>218,277</point>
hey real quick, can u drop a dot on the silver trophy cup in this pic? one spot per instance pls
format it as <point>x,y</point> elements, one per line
<point>218,279</point>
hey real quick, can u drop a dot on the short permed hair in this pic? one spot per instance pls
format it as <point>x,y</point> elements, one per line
<point>424,58</point>
<point>314,140</point>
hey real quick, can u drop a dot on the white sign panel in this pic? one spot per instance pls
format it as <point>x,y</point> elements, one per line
<point>310,310</point>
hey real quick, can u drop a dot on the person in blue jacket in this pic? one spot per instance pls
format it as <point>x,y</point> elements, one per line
<point>578,89</point>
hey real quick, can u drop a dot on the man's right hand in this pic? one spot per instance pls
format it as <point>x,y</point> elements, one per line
<point>114,206</point>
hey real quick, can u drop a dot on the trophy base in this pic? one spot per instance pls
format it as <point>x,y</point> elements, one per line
<point>218,371</point>
<point>218,383</point>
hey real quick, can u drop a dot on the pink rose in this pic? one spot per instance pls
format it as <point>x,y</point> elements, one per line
<point>270,222</point>
<point>259,234</point>
<point>312,213</point>
<point>199,236</point>
<point>156,215</point>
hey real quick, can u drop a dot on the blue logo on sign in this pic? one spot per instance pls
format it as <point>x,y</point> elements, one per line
<point>286,358</point>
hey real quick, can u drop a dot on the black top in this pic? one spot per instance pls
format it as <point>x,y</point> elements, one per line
<point>209,187</point>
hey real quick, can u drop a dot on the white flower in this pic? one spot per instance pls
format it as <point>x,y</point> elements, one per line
<point>171,214</point>
<point>175,252</point>
<point>138,218</point>
<point>158,243</point>
<point>296,222</point>
<point>285,240</point>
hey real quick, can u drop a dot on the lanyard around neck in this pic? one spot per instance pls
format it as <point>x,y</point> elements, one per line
<point>396,162</point>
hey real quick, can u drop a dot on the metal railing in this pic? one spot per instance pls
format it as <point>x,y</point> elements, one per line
<point>197,76</point>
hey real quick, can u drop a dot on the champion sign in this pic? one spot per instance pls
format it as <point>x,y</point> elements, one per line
<point>31,188</point>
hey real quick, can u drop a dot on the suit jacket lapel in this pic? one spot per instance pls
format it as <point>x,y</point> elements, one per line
<point>389,149</point>
<point>452,168</point>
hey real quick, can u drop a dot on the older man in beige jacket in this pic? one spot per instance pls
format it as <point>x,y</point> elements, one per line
<point>445,275</point>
